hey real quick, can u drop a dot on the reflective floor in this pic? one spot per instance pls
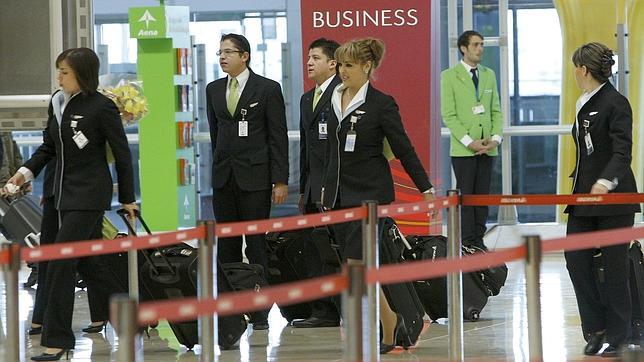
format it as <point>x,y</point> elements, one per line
<point>500,334</point>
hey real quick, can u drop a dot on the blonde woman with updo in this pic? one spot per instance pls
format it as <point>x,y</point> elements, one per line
<point>357,170</point>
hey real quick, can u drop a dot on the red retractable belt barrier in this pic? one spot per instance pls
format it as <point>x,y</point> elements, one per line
<point>576,199</point>
<point>97,247</point>
<point>244,301</point>
<point>593,239</point>
<point>4,257</point>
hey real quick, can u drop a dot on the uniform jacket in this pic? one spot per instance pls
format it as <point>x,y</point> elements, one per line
<point>365,174</point>
<point>458,96</point>
<point>611,129</point>
<point>260,159</point>
<point>313,151</point>
<point>82,178</point>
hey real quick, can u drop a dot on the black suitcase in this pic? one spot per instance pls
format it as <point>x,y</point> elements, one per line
<point>171,273</point>
<point>402,297</point>
<point>636,261</point>
<point>433,292</point>
<point>243,276</point>
<point>287,263</point>
<point>20,220</point>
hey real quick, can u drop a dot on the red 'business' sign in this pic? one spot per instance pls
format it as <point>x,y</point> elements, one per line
<point>404,26</point>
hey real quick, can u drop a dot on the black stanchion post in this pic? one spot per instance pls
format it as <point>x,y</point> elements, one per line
<point>206,270</point>
<point>533,295</point>
<point>370,251</point>
<point>454,281</point>
<point>124,318</point>
<point>353,305</point>
<point>10,271</point>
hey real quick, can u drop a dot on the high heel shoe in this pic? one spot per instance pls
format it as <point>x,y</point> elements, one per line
<point>399,331</point>
<point>51,357</point>
<point>95,328</point>
<point>34,330</point>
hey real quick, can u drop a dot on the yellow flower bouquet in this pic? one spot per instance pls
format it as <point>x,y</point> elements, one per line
<point>129,99</point>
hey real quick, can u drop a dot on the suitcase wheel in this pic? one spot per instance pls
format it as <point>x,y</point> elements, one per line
<point>473,315</point>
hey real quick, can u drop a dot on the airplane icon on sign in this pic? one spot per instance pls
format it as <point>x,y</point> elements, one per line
<point>147,17</point>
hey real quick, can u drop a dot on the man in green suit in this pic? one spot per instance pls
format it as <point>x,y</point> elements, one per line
<point>470,109</point>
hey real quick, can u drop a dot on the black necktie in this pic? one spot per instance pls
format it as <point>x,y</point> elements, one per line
<point>475,79</point>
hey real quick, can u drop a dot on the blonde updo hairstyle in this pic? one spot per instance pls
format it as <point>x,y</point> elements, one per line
<point>597,58</point>
<point>361,51</point>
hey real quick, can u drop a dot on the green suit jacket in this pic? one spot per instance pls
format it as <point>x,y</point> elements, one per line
<point>458,97</point>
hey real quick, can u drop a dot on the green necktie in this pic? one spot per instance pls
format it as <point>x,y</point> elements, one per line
<point>233,97</point>
<point>316,97</point>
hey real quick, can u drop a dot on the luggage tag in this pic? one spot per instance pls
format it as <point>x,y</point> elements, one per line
<point>589,142</point>
<point>478,109</point>
<point>350,143</point>
<point>78,137</point>
<point>323,131</point>
<point>243,124</point>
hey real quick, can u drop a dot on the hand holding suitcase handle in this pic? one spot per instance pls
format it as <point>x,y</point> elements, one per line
<point>123,213</point>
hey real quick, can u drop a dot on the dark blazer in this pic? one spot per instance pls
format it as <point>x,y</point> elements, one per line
<point>611,131</point>
<point>260,159</point>
<point>313,151</point>
<point>365,174</point>
<point>82,178</point>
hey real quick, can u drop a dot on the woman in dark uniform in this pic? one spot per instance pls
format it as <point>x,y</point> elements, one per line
<point>603,140</point>
<point>357,169</point>
<point>83,122</point>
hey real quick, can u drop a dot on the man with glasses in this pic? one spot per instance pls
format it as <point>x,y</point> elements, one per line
<point>471,110</point>
<point>248,132</point>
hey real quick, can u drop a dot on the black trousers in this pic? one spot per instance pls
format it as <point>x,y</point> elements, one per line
<point>61,278</point>
<point>48,231</point>
<point>324,308</point>
<point>602,305</point>
<point>231,204</point>
<point>473,177</point>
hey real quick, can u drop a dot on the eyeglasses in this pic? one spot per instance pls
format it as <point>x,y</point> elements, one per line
<point>228,52</point>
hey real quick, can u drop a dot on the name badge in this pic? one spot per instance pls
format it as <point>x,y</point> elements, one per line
<point>322,131</point>
<point>478,109</point>
<point>80,140</point>
<point>243,129</point>
<point>589,144</point>
<point>350,143</point>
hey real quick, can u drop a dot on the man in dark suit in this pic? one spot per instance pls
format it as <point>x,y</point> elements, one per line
<point>315,108</point>
<point>249,147</point>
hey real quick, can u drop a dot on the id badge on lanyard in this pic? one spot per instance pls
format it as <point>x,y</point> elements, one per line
<point>587,139</point>
<point>243,124</point>
<point>350,143</point>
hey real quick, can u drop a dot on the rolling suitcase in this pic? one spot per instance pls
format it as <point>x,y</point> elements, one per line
<point>171,273</point>
<point>636,261</point>
<point>20,220</point>
<point>433,292</point>
<point>402,297</point>
<point>287,263</point>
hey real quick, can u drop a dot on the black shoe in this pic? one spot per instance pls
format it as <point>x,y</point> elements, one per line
<point>399,330</point>
<point>34,330</point>
<point>51,357</point>
<point>595,343</point>
<point>32,279</point>
<point>260,326</point>
<point>95,328</point>
<point>611,351</point>
<point>315,322</point>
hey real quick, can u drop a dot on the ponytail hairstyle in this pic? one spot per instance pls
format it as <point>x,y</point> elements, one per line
<point>597,58</point>
<point>361,51</point>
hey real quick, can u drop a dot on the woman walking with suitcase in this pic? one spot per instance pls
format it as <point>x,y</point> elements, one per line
<point>83,121</point>
<point>361,119</point>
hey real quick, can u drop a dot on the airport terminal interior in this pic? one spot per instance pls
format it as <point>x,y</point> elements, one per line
<point>528,43</point>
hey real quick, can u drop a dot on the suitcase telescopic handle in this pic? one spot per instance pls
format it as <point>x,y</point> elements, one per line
<point>124,214</point>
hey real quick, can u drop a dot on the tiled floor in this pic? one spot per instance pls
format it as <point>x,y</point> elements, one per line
<point>501,334</point>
